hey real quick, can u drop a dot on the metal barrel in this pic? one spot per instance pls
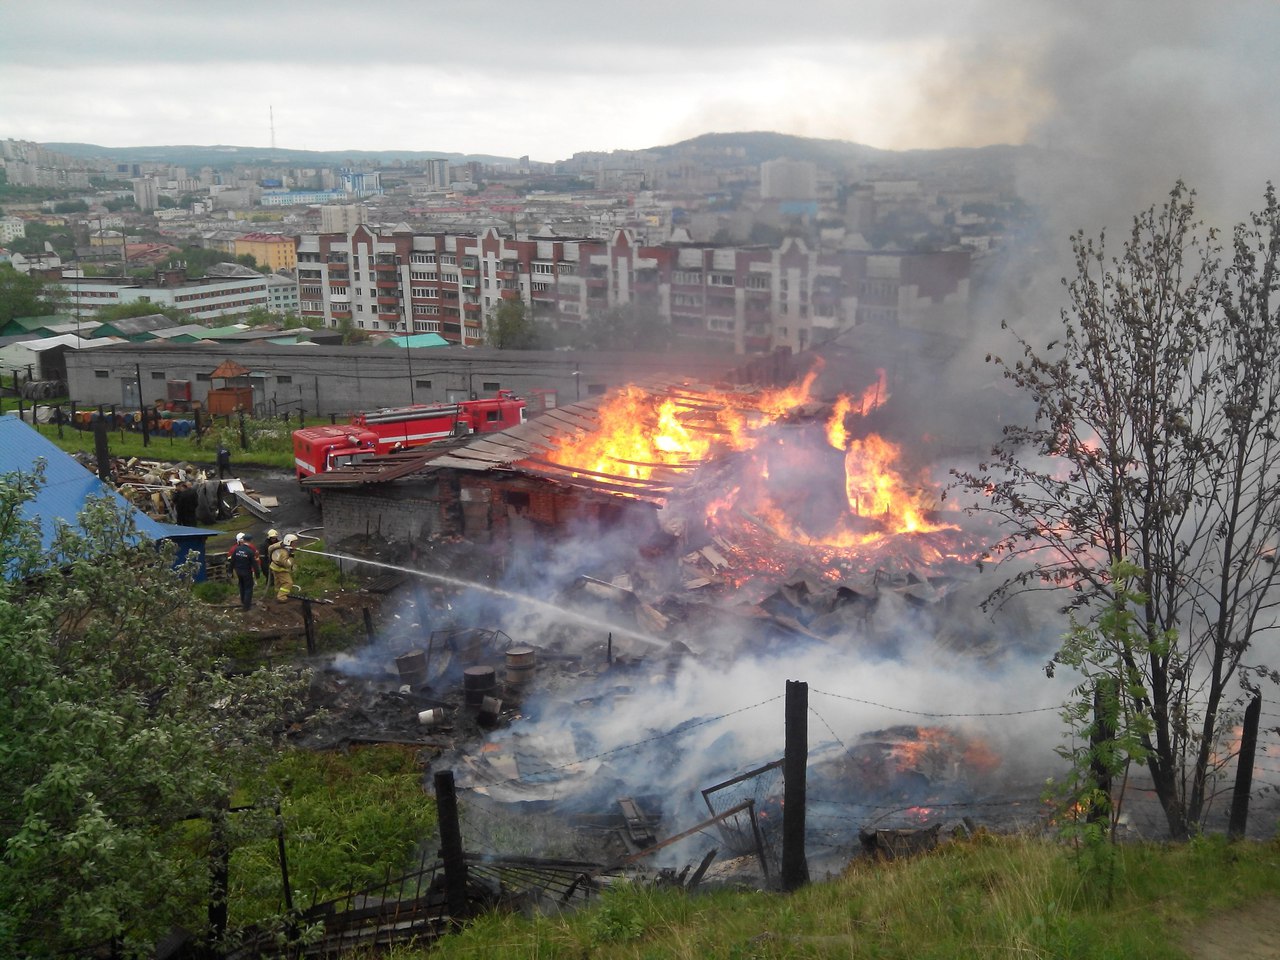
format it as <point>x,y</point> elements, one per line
<point>490,712</point>
<point>521,664</point>
<point>412,666</point>
<point>477,683</point>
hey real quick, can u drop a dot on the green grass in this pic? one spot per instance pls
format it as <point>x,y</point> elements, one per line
<point>349,819</point>
<point>270,443</point>
<point>982,898</point>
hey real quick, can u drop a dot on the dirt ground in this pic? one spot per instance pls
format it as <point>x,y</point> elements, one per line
<point>293,513</point>
<point>1251,933</point>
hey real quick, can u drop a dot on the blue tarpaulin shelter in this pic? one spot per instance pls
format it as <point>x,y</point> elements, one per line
<point>68,485</point>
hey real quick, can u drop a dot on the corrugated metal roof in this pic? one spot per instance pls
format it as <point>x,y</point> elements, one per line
<point>67,485</point>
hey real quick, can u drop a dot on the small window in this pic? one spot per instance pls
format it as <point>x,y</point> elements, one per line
<point>284,378</point>
<point>101,374</point>
<point>492,386</point>
<point>157,375</point>
<point>422,384</point>
<point>202,378</point>
<point>493,416</point>
<point>595,389</point>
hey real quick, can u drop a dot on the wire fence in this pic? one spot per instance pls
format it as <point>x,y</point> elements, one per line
<point>860,779</point>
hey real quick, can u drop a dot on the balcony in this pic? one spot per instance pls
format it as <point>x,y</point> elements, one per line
<point>471,307</point>
<point>386,267</point>
<point>337,314</point>
<point>387,301</point>
<point>388,283</point>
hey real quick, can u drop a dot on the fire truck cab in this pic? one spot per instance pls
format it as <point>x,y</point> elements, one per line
<point>317,449</point>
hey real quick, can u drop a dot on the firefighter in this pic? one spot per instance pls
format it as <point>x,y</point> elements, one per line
<point>244,561</point>
<point>269,545</point>
<point>282,566</point>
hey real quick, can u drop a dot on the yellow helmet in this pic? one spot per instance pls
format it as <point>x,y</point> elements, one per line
<point>273,533</point>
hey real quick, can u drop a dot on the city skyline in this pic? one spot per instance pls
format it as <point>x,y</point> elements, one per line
<point>1148,92</point>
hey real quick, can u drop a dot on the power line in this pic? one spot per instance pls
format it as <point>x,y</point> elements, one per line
<point>925,713</point>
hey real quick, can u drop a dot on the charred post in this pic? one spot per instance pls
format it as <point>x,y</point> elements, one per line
<point>795,868</point>
<point>455,863</point>
<point>309,626</point>
<point>1244,770</point>
<point>100,449</point>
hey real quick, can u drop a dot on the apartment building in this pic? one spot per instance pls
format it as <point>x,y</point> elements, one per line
<point>282,294</point>
<point>270,251</point>
<point>744,299</point>
<point>205,299</point>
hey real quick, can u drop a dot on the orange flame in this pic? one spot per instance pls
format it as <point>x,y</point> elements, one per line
<point>637,433</point>
<point>837,435</point>
<point>877,491</point>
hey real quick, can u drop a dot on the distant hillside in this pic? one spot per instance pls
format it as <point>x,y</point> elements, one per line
<point>731,149</point>
<point>716,150</point>
<point>220,155</point>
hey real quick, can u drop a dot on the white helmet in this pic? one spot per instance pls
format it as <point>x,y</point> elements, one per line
<point>290,539</point>
<point>239,537</point>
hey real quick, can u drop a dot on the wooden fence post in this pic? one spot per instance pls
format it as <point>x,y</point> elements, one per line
<point>455,863</point>
<point>795,759</point>
<point>1244,769</point>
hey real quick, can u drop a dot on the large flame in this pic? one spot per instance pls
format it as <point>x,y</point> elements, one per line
<point>638,432</point>
<point>787,483</point>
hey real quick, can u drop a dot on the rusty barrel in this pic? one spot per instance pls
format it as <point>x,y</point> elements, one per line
<point>412,667</point>
<point>490,712</point>
<point>521,663</point>
<point>477,683</point>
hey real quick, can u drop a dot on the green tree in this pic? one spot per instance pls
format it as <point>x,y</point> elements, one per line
<point>1156,442</point>
<point>120,722</point>
<point>140,308</point>
<point>20,295</point>
<point>621,328</point>
<point>71,206</point>
<point>511,328</point>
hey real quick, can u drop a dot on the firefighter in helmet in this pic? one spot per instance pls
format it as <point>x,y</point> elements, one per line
<point>282,564</point>
<point>268,546</point>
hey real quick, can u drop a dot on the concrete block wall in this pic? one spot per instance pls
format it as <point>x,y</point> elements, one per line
<point>409,514</point>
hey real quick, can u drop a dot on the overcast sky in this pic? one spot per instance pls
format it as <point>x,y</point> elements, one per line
<point>1171,86</point>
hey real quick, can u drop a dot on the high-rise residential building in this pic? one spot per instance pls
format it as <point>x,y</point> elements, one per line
<point>788,180</point>
<point>747,299</point>
<point>437,171</point>
<point>146,194</point>
<point>342,217</point>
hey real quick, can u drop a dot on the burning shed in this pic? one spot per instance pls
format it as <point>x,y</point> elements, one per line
<point>744,494</point>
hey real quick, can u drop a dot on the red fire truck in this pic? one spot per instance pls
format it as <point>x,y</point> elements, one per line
<point>317,449</point>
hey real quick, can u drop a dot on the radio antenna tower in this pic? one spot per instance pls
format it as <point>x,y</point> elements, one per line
<point>271,113</point>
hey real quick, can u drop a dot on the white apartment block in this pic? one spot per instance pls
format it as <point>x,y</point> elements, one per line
<point>11,228</point>
<point>206,299</point>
